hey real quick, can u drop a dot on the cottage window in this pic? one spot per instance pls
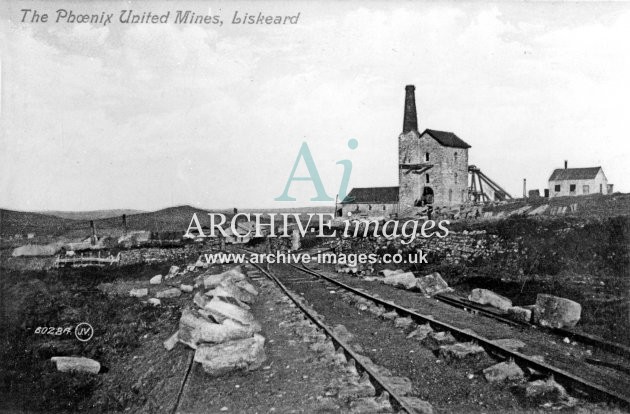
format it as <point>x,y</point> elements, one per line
<point>384,208</point>
<point>455,156</point>
<point>426,157</point>
<point>455,178</point>
<point>450,194</point>
<point>585,189</point>
<point>369,206</point>
<point>427,178</point>
<point>557,188</point>
<point>572,188</point>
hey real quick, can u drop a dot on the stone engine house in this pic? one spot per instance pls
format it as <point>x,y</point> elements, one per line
<point>432,170</point>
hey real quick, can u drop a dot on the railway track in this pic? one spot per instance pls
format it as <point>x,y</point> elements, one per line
<point>563,376</point>
<point>569,379</point>
<point>581,337</point>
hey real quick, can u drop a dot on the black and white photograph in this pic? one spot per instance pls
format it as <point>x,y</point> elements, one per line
<point>274,206</point>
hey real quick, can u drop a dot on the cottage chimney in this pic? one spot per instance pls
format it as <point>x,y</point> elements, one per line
<point>566,163</point>
<point>524,187</point>
<point>410,121</point>
<point>124,223</point>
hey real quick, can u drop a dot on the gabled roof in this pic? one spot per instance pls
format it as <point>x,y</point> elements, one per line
<point>383,195</point>
<point>446,139</point>
<point>574,173</point>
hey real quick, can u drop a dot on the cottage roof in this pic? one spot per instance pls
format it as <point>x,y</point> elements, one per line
<point>446,139</point>
<point>384,195</point>
<point>574,173</point>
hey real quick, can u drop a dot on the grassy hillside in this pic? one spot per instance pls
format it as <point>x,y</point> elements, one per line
<point>91,215</point>
<point>14,222</point>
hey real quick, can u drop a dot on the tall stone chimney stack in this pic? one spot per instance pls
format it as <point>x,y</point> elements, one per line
<point>566,163</point>
<point>410,121</point>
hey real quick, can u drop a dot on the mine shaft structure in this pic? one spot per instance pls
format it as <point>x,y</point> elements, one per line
<point>492,191</point>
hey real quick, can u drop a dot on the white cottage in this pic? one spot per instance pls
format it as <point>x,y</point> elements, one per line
<point>578,181</point>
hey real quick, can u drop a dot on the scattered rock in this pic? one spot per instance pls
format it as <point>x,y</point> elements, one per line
<point>172,272</point>
<point>419,406</point>
<point>509,343</point>
<point>403,323</point>
<point>242,354</point>
<point>503,371</point>
<point>186,288</point>
<point>488,297</point>
<point>372,405</point>
<point>405,280</point>
<point>342,333</point>
<point>556,312</point>
<point>387,272</point>
<point>401,385</point>
<point>76,364</point>
<point>170,343</point>
<point>391,315</point>
<point>520,314</point>
<point>376,310</point>
<point>156,280</point>
<point>226,289</point>
<point>194,328</point>
<point>247,287</point>
<point>432,284</point>
<point>545,390</point>
<point>218,308</point>
<point>421,332</point>
<point>357,389</point>
<point>211,281</point>
<point>168,293</point>
<point>435,340</point>
<point>460,350</point>
<point>154,302</point>
<point>139,293</point>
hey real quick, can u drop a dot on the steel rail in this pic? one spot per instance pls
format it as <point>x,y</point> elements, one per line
<point>398,401</point>
<point>524,360</point>
<point>584,338</point>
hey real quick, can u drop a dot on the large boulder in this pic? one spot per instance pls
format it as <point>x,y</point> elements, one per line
<point>195,329</point>
<point>519,313</point>
<point>246,286</point>
<point>172,272</point>
<point>156,280</point>
<point>432,284</point>
<point>230,295</point>
<point>168,293</point>
<point>76,364</point>
<point>221,309</point>
<point>388,272</point>
<point>212,281</point>
<point>556,312</point>
<point>406,280</point>
<point>488,297</point>
<point>232,290</point>
<point>139,293</point>
<point>241,354</point>
<point>507,370</point>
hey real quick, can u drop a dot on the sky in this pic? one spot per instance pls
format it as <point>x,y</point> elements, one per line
<point>147,116</point>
